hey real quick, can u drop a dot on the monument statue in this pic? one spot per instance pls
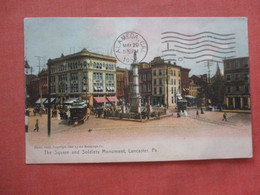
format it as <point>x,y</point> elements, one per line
<point>135,58</point>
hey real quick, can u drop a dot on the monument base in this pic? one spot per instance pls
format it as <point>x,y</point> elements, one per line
<point>136,105</point>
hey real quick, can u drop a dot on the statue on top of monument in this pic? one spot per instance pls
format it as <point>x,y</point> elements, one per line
<point>135,58</point>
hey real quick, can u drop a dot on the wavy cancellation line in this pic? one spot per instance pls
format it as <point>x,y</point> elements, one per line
<point>208,45</point>
<point>224,52</point>
<point>209,60</point>
<point>207,55</point>
<point>168,55</point>
<point>205,41</point>
<point>202,37</point>
<point>205,32</point>
<point>169,59</point>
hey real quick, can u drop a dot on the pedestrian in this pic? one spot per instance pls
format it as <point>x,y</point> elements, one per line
<point>224,117</point>
<point>36,125</point>
<point>201,111</point>
<point>197,114</point>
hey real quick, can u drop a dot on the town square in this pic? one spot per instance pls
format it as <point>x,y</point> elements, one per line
<point>186,94</point>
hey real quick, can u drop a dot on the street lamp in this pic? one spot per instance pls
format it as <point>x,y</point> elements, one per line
<point>26,67</point>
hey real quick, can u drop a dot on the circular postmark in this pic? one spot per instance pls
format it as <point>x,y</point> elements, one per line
<point>128,43</point>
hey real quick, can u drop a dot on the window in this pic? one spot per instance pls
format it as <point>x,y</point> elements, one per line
<point>237,77</point>
<point>53,88</point>
<point>74,87</point>
<point>85,75</point>
<point>172,99</point>
<point>144,88</point>
<point>73,76</point>
<point>237,88</point>
<point>174,73</point>
<point>85,88</point>
<point>110,85</point>
<point>245,101</point>
<point>109,77</point>
<point>160,81</point>
<point>149,87</point>
<point>237,64</point>
<point>174,81</point>
<point>149,77</point>
<point>97,76</point>
<point>160,90</point>
<point>247,88</point>
<point>144,77</point>
<point>140,88</point>
<point>63,87</point>
<point>160,72</point>
<point>179,73</point>
<point>229,89</point>
<point>246,77</point>
<point>63,77</point>
<point>228,77</point>
<point>172,90</point>
<point>154,72</point>
<point>154,81</point>
<point>171,73</point>
<point>52,78</point>
<point>73,65</point>
<point>155,90</point>
<point>85,64</point>
<point>246,63</point>
<point>228,65</point>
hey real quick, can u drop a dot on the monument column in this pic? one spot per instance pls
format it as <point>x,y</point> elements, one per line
<point>135,97</point>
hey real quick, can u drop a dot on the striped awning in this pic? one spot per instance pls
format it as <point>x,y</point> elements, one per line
<point>100,99</point>
<point>112,99</point>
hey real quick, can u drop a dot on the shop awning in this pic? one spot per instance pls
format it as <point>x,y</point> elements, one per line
<point>189,96</point>
<point>112,99</point>
<point>52,101</point>
<point>40,100</point>
<point>100,99</point>
<point>70,101</point>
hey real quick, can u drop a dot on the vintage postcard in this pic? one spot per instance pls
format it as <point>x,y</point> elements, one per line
<point>136,89</point>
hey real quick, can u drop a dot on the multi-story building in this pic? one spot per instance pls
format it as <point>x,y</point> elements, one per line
<point>185,81</point>
<point>122,83</point>
<point>43,83</point>
<point>32,89</point>
<point>236,73</point>
<point>166,83</point>
<point>196,82</point>
<point>145,82</point>
<point>85,75</point>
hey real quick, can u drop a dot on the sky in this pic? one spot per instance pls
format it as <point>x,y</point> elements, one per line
<point>48,38</point>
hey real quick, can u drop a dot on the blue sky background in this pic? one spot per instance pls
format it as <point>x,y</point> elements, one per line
<point>49,37</point>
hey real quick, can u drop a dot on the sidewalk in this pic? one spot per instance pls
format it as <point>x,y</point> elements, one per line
<point>237,111</point>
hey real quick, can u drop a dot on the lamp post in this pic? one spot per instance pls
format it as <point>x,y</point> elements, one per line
<point>26,67</point>
<point>49,97</point>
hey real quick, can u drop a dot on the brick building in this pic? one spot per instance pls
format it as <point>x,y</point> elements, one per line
<point>237,93</point>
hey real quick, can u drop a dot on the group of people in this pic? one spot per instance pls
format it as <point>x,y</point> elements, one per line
<point>202,112</point>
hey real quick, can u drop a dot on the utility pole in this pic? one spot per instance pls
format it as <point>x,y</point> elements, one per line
<point>39,59</point>
<point>208,65</point>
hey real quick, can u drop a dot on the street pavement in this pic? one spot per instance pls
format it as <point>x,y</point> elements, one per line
<point>98,129</point>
